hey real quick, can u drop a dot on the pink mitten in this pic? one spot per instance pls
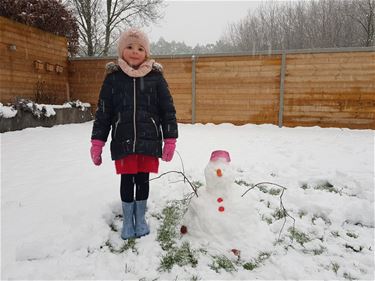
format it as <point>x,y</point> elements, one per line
<point>96,151</point>
<point>168,149</point>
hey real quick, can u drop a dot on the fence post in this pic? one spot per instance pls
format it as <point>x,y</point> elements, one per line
<point>282,87</point>
<point>193,58</point>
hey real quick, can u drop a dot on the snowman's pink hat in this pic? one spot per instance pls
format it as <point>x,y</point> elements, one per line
<point>220,154</point>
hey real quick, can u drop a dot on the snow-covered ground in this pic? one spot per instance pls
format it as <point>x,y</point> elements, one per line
<point>60,214</point>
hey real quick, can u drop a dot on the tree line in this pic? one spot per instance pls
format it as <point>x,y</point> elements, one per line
<point>291,25</point>
<point>305,25</point>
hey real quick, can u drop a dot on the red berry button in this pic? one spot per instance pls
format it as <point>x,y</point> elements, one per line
<point>221,209</point>
<point>219,199</point>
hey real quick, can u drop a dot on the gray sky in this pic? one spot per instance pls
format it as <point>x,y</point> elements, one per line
<point>200,22</point>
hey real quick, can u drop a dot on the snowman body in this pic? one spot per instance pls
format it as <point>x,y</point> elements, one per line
<point>219,216</point>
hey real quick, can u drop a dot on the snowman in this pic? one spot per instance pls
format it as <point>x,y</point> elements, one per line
<point>220,217</point>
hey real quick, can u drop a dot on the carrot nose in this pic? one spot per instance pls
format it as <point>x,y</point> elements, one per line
<point>219,173</point>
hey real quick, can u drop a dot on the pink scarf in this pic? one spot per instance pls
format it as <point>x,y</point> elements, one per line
<point>141,71</point>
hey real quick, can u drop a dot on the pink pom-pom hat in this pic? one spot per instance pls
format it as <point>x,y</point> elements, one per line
<point>220,154</point>
<point>133,35</point>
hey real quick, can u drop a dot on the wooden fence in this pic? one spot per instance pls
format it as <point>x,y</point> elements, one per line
<point>33,64</point>
<point>327,88</point>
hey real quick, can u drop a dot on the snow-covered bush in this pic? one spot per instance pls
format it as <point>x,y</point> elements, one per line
<point>7,111</point>
<point>38,110</point>
<point>77,104</point>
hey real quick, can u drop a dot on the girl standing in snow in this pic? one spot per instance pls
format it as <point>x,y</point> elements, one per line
<point>136,106</point>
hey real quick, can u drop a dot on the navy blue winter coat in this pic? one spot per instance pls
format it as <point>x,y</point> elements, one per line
<point>139,112</point>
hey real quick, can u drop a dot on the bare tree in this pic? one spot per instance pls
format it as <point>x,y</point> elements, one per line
<point>88,18</point>
<point>363,13</point>
<point>99,19</point>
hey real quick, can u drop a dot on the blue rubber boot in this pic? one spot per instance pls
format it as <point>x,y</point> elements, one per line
<point>128,220</point>
<point>141,227</point>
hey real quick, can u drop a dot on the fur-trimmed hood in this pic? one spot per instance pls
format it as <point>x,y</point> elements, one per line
<point>113,67</point>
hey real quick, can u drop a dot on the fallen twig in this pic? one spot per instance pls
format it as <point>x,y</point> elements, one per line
<point>281,204</point>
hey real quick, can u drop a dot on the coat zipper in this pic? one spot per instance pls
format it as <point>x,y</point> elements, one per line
<point>156,128</point>
<point>134,121</point>
<point>117,122</point>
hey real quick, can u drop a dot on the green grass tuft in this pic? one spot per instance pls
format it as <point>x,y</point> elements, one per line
<point>128,244</point>
<point>299,236</point>
<point>326,186</point>
<point>250,266</point>
<point>335,267</point>
<point>222,262</point>
<point>279,214</point>
<point>168,232</point>
<point>180,256</point>
<point>352,235</point>
<point>256,263</point>
<point>242,182</point>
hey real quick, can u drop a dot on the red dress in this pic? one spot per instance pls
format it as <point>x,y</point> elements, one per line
<point>137,163</point>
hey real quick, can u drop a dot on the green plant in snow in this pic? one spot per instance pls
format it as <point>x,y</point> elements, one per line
<point>267,219</point>
<point>263,256</point>
<point>326,186</point>
<point>299,236</point>
<point>222,262</point>
<point>304,186</point>
<point>335,233</point>
<point>263,188</point>
<point>256,263</point>
<point>348,276</point>
<point>181,256</point>
<point>279,214</point>
<point>250,266</point>
<point>242,182</point>
<point>197,184</point>
<point>113,227</point>
<point>352,235</point>
<point>128,244</point>
<point>335,267</point>
<point>194,278</point>
<point>319,251</point>
<point>168,232</point>
<point>274,191</point>
<point>302,213</point>
<point>315,217</point>
<point>203,251</point>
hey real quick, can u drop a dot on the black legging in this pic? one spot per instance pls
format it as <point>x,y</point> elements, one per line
<point>141,181</point>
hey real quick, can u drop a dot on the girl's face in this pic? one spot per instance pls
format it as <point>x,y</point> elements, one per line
<point>134,54</point>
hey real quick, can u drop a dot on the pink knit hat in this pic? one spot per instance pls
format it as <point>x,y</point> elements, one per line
<point>130,36</point>
<point>217,154</point>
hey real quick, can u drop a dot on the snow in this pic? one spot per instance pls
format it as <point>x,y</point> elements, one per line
<point>60,213</point>
<point>39,110</point>
<point>7,111</point>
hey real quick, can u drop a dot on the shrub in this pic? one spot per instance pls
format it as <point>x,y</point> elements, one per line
<point>48,15</point>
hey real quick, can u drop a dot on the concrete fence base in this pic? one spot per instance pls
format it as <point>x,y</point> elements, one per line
<point>27,120</point>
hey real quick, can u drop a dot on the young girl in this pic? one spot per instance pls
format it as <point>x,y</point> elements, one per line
<point>136,106</point>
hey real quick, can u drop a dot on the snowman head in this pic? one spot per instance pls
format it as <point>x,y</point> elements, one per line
<point>218,172</point>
